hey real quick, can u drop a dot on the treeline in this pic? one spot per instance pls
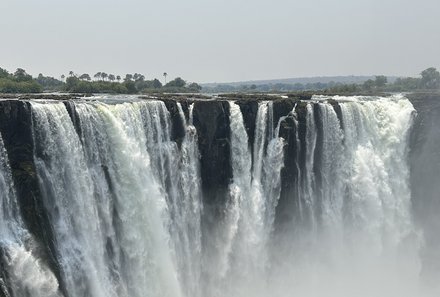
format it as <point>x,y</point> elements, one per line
<point>18,82</point>
<point>429,80</point>
<point>130,84</point>
<point>21,82</point>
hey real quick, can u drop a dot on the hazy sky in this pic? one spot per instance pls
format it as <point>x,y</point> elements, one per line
<point>217,41</point>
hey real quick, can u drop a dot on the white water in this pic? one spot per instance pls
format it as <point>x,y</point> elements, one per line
<point>26,274</point>
<point>362,241</point>
<point>250,208</point>
<point>125,203</point>
<point>129,206</point>
<point>354,226</point>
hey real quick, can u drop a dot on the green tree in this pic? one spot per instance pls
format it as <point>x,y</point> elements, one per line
<point>369,84</point>
<point>138,77</point>
<point>131,87</point>
<point>380,81</point>
<point>3,73</point>
<point>97,76</point>
<point>194,87</point>
<point>111,77</point>
<point>430,78</point>
<point>85,76</point>
<point>49,83</point>
<point>157,84</point>
<point>71,83</point>
<point>118,78</point>
<point>21,75</point>
<point>177,83</point>
<point>165,76</point>
<point>104,75</point>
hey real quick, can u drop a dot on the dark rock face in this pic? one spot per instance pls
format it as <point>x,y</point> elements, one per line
<point>249,110</point>
<point>288,196</point>
<point>16,130</point>
<point>178,131</point>
<point>293,129</point>
<point>425,178</point>
<point>211,119</point>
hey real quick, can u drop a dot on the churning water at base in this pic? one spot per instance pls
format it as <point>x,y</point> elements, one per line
<point>125,203</point>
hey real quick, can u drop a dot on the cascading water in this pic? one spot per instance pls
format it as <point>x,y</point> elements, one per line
<point>355,183</point>
<point>23,274</point>
<point>124,200</point>
<point>253,196</point>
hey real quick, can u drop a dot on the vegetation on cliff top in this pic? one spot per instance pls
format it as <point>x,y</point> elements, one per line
<point>101,82</point>
<point>429,80</point>
<point>21,82</point>
<point>18,82</point>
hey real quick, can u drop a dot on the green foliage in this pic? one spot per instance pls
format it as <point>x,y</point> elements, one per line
<point>194,87</point>
<point>20,75</point>
<point>85,76</point>
<point>405,84</point>
<point>380,81</point>
<point>130,86</point>
<point>76,85</point>
<point>13,86</point>
<point>21,82</point>
<point>349,88</point>
<point>3,73</point>
<point>369,84</point>
<point>156,84</point>
<point>176,83</point>
<point>430,78</point>
<point>49,83</point>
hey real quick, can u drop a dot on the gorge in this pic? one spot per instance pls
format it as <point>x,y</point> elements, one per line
<point>177,196</point>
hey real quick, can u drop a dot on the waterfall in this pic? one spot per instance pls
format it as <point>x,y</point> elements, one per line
<point>137,192</point>
<point>317,202</point>
<point>23,273</point>
<point>308,185</point>
<point>253,196</point>
<point>189,206</point>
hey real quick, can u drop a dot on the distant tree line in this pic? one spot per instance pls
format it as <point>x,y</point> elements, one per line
<point>21,82</point>
<point>130,84</point>
<point>102,82</point>
<point>18,82</point>
<point>429,80</point>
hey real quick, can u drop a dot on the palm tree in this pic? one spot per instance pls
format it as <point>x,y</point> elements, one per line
<point>104,75</point>
<point>71,73</point>
<point>111,77</point>
<point>165,75</point>
<point>118,78</point>
<point>63,77</point>
<point>97,75</point>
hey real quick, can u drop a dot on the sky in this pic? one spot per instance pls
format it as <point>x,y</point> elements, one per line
<point>220,41</point>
